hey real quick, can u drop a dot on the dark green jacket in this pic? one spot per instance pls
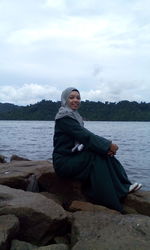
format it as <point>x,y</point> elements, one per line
<point>108,181</point>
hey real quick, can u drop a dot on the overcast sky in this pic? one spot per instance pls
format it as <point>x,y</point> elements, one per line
<point>101,47</point>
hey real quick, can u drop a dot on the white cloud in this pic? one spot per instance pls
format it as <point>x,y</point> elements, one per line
<point>67,41</point>
<point>106,91</point>
<point>73,28</point>
<point>28,94</point>
<point>57,4</point>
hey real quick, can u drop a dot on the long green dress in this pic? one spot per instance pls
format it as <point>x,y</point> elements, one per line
<point>106,178</point>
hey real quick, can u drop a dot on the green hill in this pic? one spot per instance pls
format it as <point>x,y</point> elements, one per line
<point>95,111</point>
<point>6,107</point>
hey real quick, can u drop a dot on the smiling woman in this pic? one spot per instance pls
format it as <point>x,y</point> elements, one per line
<point>74,100</point>
<point>82,155</point>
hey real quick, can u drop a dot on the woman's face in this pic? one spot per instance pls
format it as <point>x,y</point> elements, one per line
<point>74,100</point>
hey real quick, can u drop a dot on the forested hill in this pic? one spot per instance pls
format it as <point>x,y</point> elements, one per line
<point>95,111</point>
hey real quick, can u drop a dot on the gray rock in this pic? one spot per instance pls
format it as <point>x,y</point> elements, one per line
<point>40,176</point>
<point>41,219</point>
<point>87,206</point>
<point>2,159</point>
<point>17,174</point>
<point>54,247</point>
<point>114,245</point>
<point>139,201</point>
<point>18,158</point>
<point>22,245</point>
<point>66,190</point>
<point>32,184</point>
<point>9,227</point>
<point>54,197</point>
<point>93,231</point>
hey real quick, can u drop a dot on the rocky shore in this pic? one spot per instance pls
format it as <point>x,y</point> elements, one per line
<point>39,210</point>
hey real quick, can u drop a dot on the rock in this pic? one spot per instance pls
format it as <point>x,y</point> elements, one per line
<point>32,184</point>
<point>18,158</point>
<point>62,240</point>
<point>54,247</point>
<point>110,231</point>
<point>99,245</point>
<point>2,159</point>
<point>9,227</point>
<point>87,206</point>
<point>129,210</point>
<point>20,174</point>
<point>139,201</point>
<point>16,174</point>
<point>22,245</point>
<point>67,190</point>
<point>54,197</point>
<point>41,219</point>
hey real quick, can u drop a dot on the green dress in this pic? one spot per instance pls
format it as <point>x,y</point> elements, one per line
<point>107,181</point>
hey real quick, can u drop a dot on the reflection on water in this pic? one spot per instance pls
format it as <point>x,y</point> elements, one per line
<point>34,140</point>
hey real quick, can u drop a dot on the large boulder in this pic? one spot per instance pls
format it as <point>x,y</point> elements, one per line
<point>66,190</point>
<point>41,219</point>
<point>27,175</point>
<point>110,231</point>
<point>9,227</point>
<point>21,245</point>
<point>139,202</point>
<point>18,158</point>
<point>16,174</point>
<point>87,206</point>
<point>2,159</point>
<point>39,176</point>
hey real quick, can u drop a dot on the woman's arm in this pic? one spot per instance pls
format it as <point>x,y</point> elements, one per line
<point>91,141</point>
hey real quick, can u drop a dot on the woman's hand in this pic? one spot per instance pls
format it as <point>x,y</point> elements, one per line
<point>113,149</point>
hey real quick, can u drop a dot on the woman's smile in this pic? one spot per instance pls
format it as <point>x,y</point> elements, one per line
<point>74,100</point>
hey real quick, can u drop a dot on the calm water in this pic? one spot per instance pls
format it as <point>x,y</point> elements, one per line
<point>33,140</point>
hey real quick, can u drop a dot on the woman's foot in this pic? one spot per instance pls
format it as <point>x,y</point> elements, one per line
<point>134,187</point>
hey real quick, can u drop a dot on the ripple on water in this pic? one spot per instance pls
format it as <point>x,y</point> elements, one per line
<point>34,140</point>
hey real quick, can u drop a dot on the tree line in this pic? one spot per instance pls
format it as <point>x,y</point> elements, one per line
<point>91,111</point>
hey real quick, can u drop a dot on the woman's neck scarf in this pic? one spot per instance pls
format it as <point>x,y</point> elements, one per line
<point>65,110</point>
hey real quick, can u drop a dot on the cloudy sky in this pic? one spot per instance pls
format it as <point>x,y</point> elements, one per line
<point>100,47</point>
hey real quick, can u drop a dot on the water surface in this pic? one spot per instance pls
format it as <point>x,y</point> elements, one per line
<point>34,140</point>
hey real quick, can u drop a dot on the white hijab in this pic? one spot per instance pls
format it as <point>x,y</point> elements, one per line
<point>65,110</point>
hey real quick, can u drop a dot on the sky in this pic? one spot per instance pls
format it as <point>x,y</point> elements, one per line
<point>100,47</point>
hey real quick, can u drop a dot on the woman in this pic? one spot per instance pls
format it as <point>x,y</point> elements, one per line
<point>82,155</point>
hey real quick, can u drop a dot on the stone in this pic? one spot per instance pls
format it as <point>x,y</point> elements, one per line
<point>22,245</point>
<point>20,175</point>
<point>139,201</point>
<point>16,174</point>
<point>9,228</point>
<point>2,159</point>
<point>42,223</point>
<point>54,247</point>
<point>67,190</point>
<point>41,219</point>
<point>57,198</point>
<point>87,206</point>
<point>115,245</point>
<point>110,231</point>
<point>18,158</point>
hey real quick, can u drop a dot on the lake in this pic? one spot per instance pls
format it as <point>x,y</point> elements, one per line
<point>34,140</point>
